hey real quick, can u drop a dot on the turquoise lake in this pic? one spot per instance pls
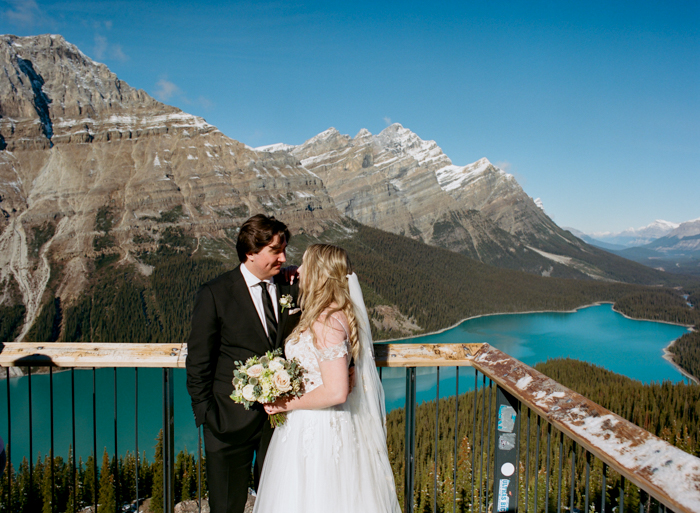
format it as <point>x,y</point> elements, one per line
<point>594,334</point>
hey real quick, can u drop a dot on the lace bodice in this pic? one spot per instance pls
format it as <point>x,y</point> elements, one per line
<point>305,351</point>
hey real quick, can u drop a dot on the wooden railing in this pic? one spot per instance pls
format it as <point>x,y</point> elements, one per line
<point>668,474</point>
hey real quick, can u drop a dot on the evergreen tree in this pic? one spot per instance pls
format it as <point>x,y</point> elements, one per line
<point>127,479</point>
<point>157,493</point>
<point>106,495</point>
<point>89,496</point>
<point>22,484</point>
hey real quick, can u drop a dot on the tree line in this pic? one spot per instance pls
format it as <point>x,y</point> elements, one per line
<point>111,485</point>
<point>432,287</point>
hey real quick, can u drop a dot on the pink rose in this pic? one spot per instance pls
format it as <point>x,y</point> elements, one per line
<point>282,381</point>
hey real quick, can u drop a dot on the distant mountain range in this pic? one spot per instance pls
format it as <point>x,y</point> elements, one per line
<point>91,167</point>
<point>662,245</point>
<point>635,236</point>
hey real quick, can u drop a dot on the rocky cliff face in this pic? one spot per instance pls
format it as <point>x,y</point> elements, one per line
<point>74,139</point>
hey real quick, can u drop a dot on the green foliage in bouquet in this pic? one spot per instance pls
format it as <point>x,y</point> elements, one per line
<point>267,378</point>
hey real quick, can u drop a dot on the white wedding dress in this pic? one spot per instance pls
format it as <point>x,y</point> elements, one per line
<point>334,459</point>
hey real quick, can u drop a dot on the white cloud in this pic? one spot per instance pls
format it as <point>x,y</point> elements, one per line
<point>206,103</point>
<point>387,120</point>
<point>23,12</point>
<point>504,165</point>
<point>103,49</point>
<point>100,47</point>
<point>118,54</point>
<point>166,90</point>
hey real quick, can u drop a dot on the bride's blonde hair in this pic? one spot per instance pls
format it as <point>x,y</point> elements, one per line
<point>324,291</point>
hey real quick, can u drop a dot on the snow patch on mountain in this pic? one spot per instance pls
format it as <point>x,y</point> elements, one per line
<point>453,177</point>
<point>687,229</point>
<point>275,147</point>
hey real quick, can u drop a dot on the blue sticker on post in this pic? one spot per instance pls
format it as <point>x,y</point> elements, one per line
<point>503,498</point>
<point>506,418</point>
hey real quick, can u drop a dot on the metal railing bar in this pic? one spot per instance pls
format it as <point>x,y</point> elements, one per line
<point>588,480</point>
<point>548,467</point>
<point>116,452</point>
<point>517,458</point>
<point>136,430</point>
<point>603,487</point>
<point>199,467</point>
<point>8,447</point>
<point>473,440</point>
<point>527,461</point>
<point>31,438</point>
<point>94,436</point>
<point>409,441</point>
<point>437,436</point>
<point>561,463</point>
<point>481,442</point>
<point>53,477</point>
<point>621,501</point>
<point>168,442</point>
<point>573,477</point>
<point>75,473</point>
<point>537,458</point>
<point>488,447</point>
<point>454,478</point>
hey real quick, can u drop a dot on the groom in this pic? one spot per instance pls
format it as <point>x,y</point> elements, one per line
<point>236,316</point>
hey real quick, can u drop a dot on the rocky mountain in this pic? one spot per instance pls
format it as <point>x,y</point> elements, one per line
<point>97,178</point>
<point>676,252</point>
<point>400,183</point>
<point>632,237</point>
<point>75,139</point>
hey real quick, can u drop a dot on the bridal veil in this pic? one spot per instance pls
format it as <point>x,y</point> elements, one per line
<point>366,403</point>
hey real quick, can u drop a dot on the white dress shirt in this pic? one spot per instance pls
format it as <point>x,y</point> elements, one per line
<point>256,294</point>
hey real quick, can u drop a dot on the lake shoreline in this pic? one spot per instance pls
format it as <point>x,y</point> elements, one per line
<point>598,303</point>
<point>667,354</point>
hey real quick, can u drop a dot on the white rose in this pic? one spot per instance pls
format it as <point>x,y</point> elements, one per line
<point>255,371</point>
<point>276,365</point>
<point>248,393</point>
<point>282,381</point>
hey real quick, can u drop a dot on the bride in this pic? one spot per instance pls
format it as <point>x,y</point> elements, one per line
<point>330,454</point>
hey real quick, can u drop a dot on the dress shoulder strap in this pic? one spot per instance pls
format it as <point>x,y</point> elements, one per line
<point>345,328</point>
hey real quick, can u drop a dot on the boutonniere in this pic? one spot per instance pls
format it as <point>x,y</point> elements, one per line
<point>286,301</point>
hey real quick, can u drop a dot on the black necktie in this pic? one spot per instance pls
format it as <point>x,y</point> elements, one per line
<point>270,319</point>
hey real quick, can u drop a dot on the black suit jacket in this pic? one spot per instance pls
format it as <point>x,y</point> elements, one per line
<point>226,328</point>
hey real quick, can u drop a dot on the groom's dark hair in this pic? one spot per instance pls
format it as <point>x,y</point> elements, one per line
<point>257,232</point>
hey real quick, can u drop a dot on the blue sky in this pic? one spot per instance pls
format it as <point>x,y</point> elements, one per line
<point>593,106</point>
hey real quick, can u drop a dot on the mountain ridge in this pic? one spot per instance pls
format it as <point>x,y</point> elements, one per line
<point>95,173</point>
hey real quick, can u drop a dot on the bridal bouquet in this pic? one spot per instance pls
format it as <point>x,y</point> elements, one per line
<point>265,379</point>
